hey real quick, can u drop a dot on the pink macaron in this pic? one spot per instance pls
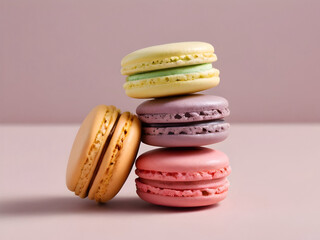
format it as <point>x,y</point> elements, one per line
<point>182,177</point>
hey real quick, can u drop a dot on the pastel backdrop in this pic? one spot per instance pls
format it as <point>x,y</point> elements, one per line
<point>59,58</point>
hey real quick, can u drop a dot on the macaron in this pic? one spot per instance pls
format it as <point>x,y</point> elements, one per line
<point>103,153</point>
<point>170,69</point>
<point>184,121</point>
<point>182,177</point>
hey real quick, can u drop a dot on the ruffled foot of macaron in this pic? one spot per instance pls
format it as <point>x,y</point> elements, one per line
<point>170,69</point>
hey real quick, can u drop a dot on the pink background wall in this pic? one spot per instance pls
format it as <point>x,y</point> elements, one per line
<point>59,58</point>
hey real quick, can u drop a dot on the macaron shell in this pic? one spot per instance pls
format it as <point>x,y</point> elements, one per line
<point>182,185</point>
<point>182,160</point>
<point>80,167</point>
<point>118,159</point>
<point>170,89</point>
<point>182,201</point>
<point>185,140</point>
<point>166,50</point>
<point>167,56</point>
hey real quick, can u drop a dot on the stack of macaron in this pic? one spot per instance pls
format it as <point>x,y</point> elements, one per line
<point>182,173</point>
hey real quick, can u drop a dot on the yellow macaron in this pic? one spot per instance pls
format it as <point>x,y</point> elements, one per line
<point>103,153</point>
<point>170,69</point>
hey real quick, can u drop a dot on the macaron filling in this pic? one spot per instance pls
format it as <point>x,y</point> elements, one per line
<point>214,126</point>
<point>94,150</point>
<point>116,151</point>
<point>103,152</point>
<point>128,68</point>
<point>171,71</point>
<point>182,185</point>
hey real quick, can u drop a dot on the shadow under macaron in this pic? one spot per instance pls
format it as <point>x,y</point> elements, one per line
<point>62,205</point>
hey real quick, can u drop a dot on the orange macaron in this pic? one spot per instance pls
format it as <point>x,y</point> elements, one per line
<point>103,153</point>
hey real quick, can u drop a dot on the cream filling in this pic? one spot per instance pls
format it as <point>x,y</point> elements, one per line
<point>188,59</point>
<point>171,78</point>
<point>92,154</point>
<point>102,188</point>
<point>207,128</point>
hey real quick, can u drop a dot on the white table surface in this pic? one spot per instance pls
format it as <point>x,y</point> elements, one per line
<point>274,191</point>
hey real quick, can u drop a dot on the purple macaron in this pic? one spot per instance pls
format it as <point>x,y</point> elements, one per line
<point>184,121</point>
